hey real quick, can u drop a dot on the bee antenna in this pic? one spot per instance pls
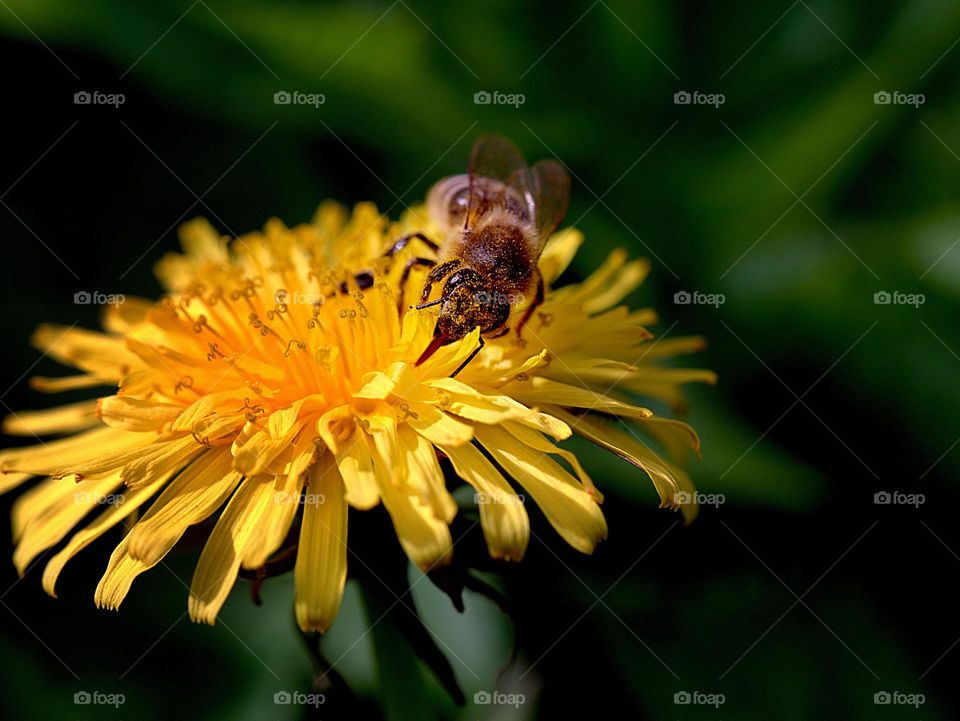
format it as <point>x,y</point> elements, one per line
<point>431,303</point>
<point>438,340</point>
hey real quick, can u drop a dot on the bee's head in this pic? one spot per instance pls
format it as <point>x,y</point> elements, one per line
<point>467,301</point>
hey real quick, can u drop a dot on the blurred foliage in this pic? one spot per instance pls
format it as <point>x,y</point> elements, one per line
<point>798,199</point>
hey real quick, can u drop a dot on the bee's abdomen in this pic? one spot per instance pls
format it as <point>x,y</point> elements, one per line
<point>501,252</point>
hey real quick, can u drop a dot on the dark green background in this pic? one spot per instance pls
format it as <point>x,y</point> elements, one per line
<point>691,187</point>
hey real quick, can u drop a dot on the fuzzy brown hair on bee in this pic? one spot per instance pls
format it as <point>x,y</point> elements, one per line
<point>495,221</point>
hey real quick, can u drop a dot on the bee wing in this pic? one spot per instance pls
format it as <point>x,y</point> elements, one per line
<point>543,190</point>
<point>496,158</point>
<point>546,188</point>
<point>448,200</point>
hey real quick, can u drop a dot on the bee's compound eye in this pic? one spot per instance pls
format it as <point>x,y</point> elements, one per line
<point>456,280</point>
<point>501,314</point>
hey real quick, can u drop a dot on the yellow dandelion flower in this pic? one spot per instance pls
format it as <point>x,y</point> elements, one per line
<point>278,379</point>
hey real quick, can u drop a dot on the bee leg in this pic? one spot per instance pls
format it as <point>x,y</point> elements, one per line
<point>426,262</point>
<point>500,333</point>
<point>469,358</point>
<point>364,280</point>
<point>402,243</point>
<point>438,273</point>
<point>538,300</point>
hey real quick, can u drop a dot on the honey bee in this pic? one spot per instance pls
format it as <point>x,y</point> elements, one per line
<point>495,220</point>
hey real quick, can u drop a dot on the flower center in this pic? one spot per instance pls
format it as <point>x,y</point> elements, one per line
<point>316,335</point>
